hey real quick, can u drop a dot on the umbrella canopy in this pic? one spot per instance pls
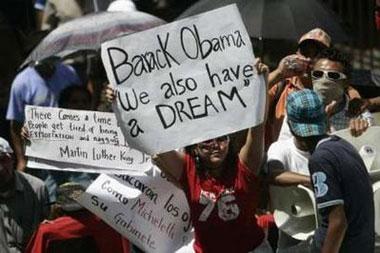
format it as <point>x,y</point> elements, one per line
<point>90,31</point>
<point>279,19</point>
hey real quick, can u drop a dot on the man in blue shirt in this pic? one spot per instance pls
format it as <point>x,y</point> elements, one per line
<point>36,85</point>
<point>341,183</point>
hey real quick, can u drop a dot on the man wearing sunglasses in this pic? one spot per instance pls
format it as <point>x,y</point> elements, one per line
<point>287,163</point>
<point>345,205</point>
<point>292,74</point>
<point>330,78</point>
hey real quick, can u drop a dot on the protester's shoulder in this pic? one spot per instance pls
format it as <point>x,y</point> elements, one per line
<point>283,145</point>
<point>28,71</point>
<point>36,183</point>
<point>322,159</point>
<point>188,165</point>
<point>65,69</point>
<point>23,78</point>
<point>280,151</point>
<point>280,86</point>
<point>329,148</point>
<point>334,141</point>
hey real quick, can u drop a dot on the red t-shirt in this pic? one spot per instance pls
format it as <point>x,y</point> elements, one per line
<point>79,225</point>
<point>223,209</point>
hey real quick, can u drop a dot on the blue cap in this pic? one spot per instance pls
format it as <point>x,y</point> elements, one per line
<point>306,113</point>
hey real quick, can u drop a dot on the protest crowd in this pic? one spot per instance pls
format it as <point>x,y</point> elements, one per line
<point>241,153</point>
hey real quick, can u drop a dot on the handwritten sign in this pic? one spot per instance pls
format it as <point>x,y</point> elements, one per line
<point>185,82</point>
<point>149,210</point>
<point>44,164</point>
<point>86,138</point>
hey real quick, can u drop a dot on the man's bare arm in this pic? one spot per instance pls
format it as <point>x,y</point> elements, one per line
<point>336,230</point>
<point>277,175</point>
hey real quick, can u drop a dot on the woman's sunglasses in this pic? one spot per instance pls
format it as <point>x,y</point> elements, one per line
<point>219,140</point>
<point>331,75</point>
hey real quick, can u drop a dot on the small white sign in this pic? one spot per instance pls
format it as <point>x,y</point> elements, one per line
<point>149,210</point>
<point>87,138</point>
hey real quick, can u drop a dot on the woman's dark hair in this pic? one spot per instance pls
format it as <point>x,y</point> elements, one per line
<point>231,159</point>
<point>336,55</point>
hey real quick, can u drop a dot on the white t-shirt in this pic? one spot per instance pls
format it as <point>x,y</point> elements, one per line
<point>290,156</point>
<point>285,133</point>
<point>294,160</point>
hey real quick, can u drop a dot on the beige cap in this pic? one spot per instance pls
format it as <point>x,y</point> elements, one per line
<point>316,34</point>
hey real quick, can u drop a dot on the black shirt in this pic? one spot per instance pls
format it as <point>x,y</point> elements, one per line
<point>339,176</point>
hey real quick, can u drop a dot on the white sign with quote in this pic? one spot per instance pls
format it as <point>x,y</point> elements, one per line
<point>186,81</point>
<point>87,140</point>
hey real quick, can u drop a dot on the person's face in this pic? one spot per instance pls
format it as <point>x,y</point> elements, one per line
<point>304,144</point>
<point>79,101</point>
<point>310,49</point>
<point>213,152</point>
<point>328,65</point>
<point>6,168</point>
<point>329,81</point>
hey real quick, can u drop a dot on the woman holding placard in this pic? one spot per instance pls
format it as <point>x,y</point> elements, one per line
<point>222,189</point>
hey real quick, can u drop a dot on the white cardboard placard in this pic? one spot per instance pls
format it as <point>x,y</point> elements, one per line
<point>185,82</point>
<point>87,138</point>
<point>149,210</point>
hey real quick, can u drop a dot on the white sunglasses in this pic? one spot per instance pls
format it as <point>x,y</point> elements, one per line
<point>331,75</point>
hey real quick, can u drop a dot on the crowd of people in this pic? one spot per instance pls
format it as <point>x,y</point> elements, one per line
<point>309,97</point>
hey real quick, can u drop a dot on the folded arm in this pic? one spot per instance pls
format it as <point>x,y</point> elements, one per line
<point>277,175</point>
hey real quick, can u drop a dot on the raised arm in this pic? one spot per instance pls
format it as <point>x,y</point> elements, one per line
<point>252,152</point>
<point>289,66</point>
<point>171,163</point>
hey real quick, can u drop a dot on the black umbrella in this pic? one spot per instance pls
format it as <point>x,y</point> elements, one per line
<point>87,33</point>
<point>279,19</point>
